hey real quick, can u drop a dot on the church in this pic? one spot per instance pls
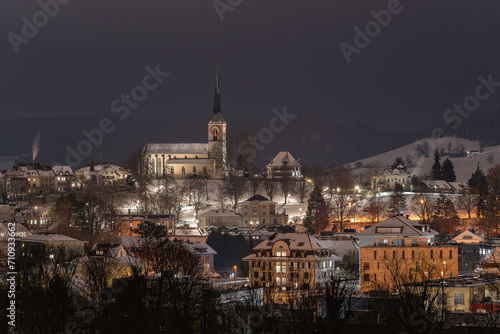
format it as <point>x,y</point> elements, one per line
<point>181,160</point>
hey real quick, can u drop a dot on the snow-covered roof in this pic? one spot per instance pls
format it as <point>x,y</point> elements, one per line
<point>459,186</point>
<point>398,226</point>
<point>66,170</point>
<point>259,199</point>
<point>176,148</point>
<point>438,184</point>
<point>218,213</point>
<point>30,212</point>
<point>201,247</point>
<point>342,248</point>
<point>110,249</point>
<point>20,230</point>
<point>284,157</point>
<point>98,167</point>
<point>296,241</point>
<point>48,237</point>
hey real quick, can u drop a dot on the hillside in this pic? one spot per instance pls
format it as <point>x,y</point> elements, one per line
<point>419,156</point>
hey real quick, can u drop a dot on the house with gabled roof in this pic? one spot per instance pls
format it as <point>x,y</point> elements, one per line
<point>397,231</point>
<point>284,164</point>
<point>468,237</point>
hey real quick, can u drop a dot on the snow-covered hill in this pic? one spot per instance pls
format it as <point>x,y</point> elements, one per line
<point>419,156</point>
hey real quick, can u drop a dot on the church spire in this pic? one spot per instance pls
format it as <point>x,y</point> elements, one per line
<point>217,111</point>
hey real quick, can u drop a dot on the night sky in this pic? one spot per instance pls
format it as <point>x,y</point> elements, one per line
<point>269,54</point>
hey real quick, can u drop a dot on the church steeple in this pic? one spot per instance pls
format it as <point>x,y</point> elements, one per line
<point>217,111</point>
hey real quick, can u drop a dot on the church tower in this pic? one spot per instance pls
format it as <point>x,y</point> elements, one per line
<point>217,133</point>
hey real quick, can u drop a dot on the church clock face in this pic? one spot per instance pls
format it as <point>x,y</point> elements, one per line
<point>215,130</point>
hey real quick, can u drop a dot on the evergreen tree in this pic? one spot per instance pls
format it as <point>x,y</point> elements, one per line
<point>448,171</point>
<point>479,186</point>
<point>445,218</point>
<point>397,201</point>
<point>437,173</point>
<point>397,162</point>
<point>316,217</point>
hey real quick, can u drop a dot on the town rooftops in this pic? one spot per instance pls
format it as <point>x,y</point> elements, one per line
<point>398,226</point>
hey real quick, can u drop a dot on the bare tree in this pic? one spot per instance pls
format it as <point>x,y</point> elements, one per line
<point>177,278</point>
<point>271,187</point>
<point>424,205</point>
<point>255,183</point>
<point>376,206</point>
<point>340,183</point>
<point>419,292</point>
<point>287,183</point>
<point>467,201</point>
<point>303,188</point>
<point>234,188</point>
<point>197,194</point>
<point>221,197</point>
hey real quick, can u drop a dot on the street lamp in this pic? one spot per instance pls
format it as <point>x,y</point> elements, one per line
<point>235,268</point>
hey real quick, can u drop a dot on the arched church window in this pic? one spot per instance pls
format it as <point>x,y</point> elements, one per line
<point>172,170</point>
<point>183,170</point>
<point>160,170</point>
<point>194,169</point>
<point>196,157</point>
<point>185,157</point>
<point>153,166</point>
<point>205,170</point>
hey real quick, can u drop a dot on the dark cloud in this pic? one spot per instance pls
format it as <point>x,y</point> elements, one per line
<point>270,54</point>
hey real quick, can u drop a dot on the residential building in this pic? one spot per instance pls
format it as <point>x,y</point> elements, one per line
<point>219,218</point>
<point>127,223</point>
<point>466,294</point>
<point>51,243</point>
<point>205,252</point>
<point>289,261</point>
<point>403,248</point>
<point>490,264</point>
<point>468,237</point>
<point>397,231</point>
<point>260,211</point>
<point>35,219</point>
<point>106,173</point>
<point>284,165</point>
<point>388,179</point>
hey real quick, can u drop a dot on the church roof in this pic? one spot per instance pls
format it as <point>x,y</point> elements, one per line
<point>217,111</point>
<point>176,148</point>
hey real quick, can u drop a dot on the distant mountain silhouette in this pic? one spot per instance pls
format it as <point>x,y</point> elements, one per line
<point>312,139</point>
